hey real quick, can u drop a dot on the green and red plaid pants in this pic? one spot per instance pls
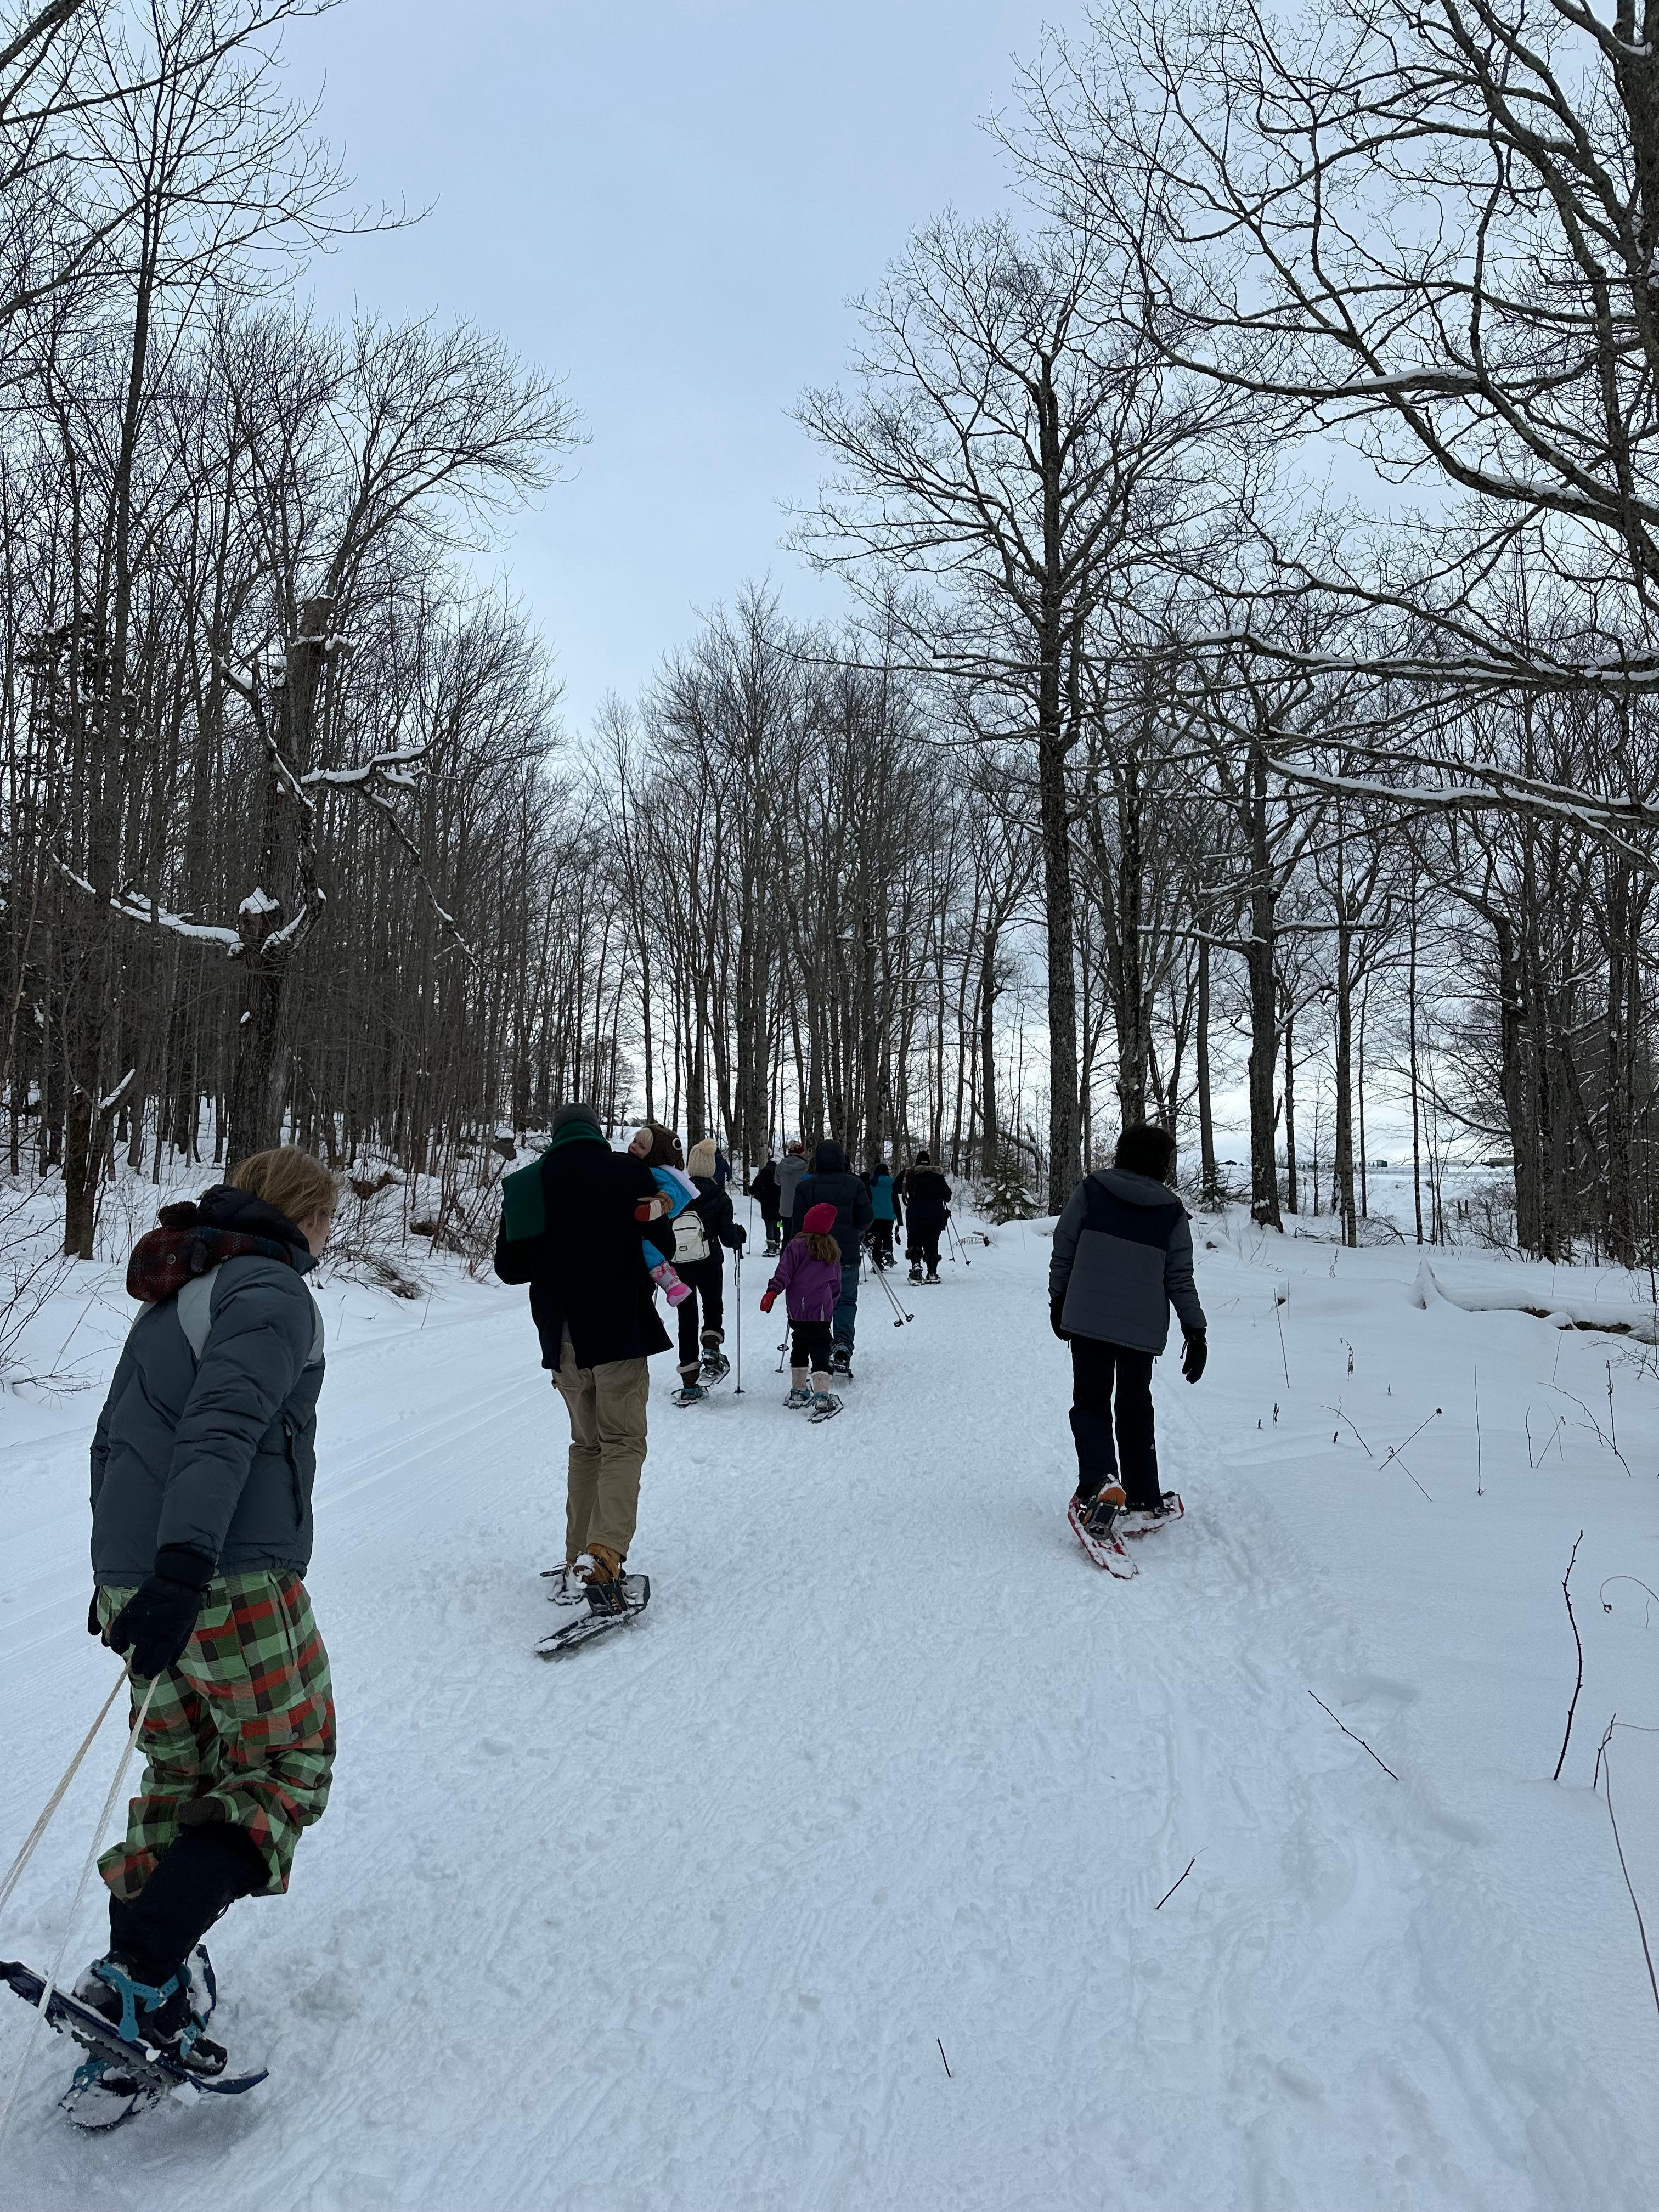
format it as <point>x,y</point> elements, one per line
<point>243,1723</point>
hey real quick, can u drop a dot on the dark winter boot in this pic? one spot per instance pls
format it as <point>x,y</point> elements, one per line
<point>164,2009</point>
<point>915,1270</point>
<point>841,1359</point>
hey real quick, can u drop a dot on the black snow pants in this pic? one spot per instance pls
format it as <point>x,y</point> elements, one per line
<point>707,1280</point>
<point>1103,1374</point>
<point>924,1243</point>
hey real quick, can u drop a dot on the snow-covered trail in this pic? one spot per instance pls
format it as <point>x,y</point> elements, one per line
<point>684,1921</point>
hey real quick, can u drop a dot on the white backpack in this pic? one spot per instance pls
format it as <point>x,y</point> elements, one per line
<point>691,1237</point>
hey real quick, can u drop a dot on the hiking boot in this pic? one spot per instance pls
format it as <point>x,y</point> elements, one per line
<point>841,1359</point>
<point>606,1593</point>
<point>915,1274</point>
<point>165,2012</point>
<point>799,1396</point>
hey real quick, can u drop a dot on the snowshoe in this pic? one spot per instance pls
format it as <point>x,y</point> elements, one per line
<point>933,1278</point>
<point>840,1362</point>
<point>825,1407</point>
<point>690,1394</point>
<point>915,1275</point>
<point>716,1364</point>
<point>624,1600</point>
<point>798,1400</point>
<point>1093,1523</point>
<point>566,1585</point>
<point>1142,1523</point>
<point>122,2078</point>
<point>773,1250</point>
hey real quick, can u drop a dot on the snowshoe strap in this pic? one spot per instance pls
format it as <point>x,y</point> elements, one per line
<point>127,1990</point>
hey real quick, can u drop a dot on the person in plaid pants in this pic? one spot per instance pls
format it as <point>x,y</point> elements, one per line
<point>202,1469</point>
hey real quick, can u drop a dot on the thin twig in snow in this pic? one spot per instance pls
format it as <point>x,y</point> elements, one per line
<point>1579,1643</point>
<point>1279,1315</point>
<point>1341,1416</point>
<point>1175,1884</point>
<point>1479,1454</point>
<point>1653,1593</point>
<point>1360,1740</point>
<point>1604,1765</point>
<point>944,2061</point>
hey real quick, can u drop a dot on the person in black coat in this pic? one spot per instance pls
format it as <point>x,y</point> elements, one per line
<point>574,1228</point>
<point>699,1232</point>
<point>766,1194</point>
<point>928,1203</point>
<point>832,1183</point>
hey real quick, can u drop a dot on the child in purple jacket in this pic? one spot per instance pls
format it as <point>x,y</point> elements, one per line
<point>809,1275</point>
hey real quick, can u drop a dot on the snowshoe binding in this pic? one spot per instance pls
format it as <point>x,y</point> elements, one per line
<point>690,1394</point>
<point>840,1362</point>
<point>716,1364</point>
<point>566,1583</point>
<point>797,1400</point>
<point>1093,1523</point>
<point>610,1605</point>
<point>825,1407</point>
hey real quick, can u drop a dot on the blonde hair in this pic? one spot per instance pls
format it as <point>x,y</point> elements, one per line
<point>700,1160</point>
<point>289,1179</point>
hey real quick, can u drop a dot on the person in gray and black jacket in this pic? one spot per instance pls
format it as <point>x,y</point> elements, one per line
<point>1123,1256</point>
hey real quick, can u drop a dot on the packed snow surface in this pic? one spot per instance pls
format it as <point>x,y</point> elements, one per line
<point>891,1777</point>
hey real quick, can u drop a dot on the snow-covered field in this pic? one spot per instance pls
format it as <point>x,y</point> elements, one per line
<point>890,1776</point>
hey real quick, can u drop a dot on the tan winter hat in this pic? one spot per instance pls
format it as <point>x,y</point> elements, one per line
<point>700,1160</point>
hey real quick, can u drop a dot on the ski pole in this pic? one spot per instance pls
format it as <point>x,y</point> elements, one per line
<point>961,1247</point>
<point>736,1300</point>
<point>893,1301</point>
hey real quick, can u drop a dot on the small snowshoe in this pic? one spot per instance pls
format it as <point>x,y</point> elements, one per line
<point>825,1407</point>
<point>797,1400</point>
<point>1093,1523</point>
<point>623,1601</point>
<point>690,1394</point>
<point>840,1362</point>
<point>119,2078</point>
<point>1143,1523</point>
<point>716,1364</point>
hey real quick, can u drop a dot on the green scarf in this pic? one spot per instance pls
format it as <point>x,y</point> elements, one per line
<point>524,1209</point>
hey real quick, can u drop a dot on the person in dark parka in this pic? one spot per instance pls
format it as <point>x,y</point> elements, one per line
<point>203,1462</point>
<point>1122,1258</point>
<point>927,1201</point>
<point>767,1194</point>
<point>832,1183</point>
<point>574,1227</point>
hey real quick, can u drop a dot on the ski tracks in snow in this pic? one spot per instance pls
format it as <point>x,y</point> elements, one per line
<point>683,1921</point>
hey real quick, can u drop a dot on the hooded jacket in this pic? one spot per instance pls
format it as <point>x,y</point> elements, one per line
<point>212,1453</point>
<point>832,1183</point>
<point>1123,1256</point>
<point>884,1196</point>
<point>765,1192</point>
<point>791,1168</point>
<point>812,1288</point>
<point>928,1194</point>
<point>586,1266</point>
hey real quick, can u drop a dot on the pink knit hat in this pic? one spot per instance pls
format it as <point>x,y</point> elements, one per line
<point>820,1221</point>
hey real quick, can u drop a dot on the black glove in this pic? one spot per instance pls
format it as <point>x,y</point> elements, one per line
<point>95,1626</point>
<point>159,1619</point>
<point>1055,1307</point>
<point>739,1237</point>
<point>1194,1353</point>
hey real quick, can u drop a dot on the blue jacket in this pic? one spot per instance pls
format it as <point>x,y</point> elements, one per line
<point>215,1455</point>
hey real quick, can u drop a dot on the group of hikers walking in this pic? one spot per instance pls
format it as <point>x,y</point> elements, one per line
<point>203,1459</point>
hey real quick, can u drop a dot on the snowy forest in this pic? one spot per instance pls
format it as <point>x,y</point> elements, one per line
<point>1139,781</point>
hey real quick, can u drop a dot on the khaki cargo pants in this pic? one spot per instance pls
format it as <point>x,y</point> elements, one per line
<point>606,1405</point>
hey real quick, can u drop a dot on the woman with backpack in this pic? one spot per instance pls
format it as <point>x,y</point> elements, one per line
<point>202,1469</point>
<point>699,1233</point>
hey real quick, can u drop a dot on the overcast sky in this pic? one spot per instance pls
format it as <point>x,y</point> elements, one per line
<point>669,203</point>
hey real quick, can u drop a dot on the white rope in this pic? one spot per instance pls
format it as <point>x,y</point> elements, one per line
<point>50,1981</point>
<point>14,1872</point>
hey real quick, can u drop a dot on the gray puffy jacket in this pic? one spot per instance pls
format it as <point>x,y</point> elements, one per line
<point>1123,1256</point>
<point>219,1454</point>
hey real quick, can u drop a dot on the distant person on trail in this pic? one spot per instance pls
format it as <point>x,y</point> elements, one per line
<point>574,1227</point>
<point>722,1167</point>
<point>809,1276</point>
<point>927,1196</point>
<point>766,1194</point>
<point>831,1182</point>
<point>699,1232</point>
<point>202,1469</point>
<point>659,1149</point>
<point>791,1168</point>
<point>885,1207</point>
<point>1123,1256</point>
